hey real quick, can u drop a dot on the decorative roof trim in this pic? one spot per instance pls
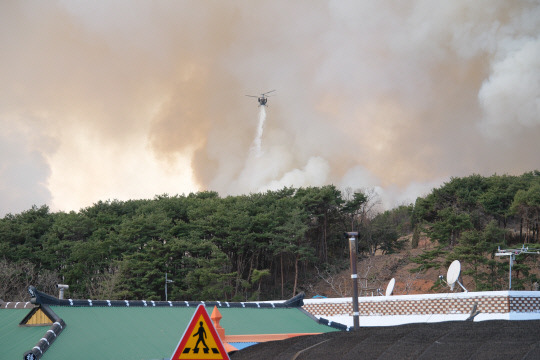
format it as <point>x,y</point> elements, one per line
<point>16,305</point>
<point>50,336</point>
<point>45,309</point>
<point>41,298</point>
<point>334,324</point>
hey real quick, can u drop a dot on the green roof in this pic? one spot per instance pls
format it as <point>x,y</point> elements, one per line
<point>15,339</point>
<point>138,329</point>
<point>237,321</point>
<point>153,332</point>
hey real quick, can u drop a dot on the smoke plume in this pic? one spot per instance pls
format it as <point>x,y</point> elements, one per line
<point>128,99</point>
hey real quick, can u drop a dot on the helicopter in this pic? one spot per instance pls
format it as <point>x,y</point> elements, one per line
<point>263,98</point>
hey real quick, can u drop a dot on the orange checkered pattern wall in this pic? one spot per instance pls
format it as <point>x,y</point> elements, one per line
<point>485,304</point>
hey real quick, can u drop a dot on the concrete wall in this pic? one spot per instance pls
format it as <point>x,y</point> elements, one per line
<point>403,309</point>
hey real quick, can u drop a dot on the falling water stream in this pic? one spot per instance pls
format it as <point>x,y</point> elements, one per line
<point>260,128</point>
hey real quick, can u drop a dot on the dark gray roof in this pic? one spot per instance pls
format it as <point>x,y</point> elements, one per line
<point>495,339</point>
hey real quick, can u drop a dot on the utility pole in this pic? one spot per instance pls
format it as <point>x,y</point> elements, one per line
<point>354,276</point>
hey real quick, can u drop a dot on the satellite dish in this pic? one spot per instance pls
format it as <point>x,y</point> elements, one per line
<point>453,272</point>
<point>390,287</point>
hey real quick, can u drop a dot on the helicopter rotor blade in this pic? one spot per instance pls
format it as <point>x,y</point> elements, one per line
<point>252,96</point>
<point>268,92</point>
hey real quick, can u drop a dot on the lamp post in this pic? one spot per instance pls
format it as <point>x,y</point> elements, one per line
<point>167,282</point>
<point>354,276</point>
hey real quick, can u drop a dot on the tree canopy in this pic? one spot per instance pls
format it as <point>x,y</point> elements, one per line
<point>471,217</point>
<point>255,246</point>
<point>262,245</point>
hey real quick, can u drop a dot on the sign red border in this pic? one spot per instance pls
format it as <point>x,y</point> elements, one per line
<point>201,311</point>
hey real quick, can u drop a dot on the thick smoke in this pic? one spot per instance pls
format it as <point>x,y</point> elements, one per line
<point>136,98</point>
<point>23,171</point>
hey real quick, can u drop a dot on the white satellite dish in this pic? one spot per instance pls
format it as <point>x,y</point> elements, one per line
<point>452,275</point>
<point>390,287</point>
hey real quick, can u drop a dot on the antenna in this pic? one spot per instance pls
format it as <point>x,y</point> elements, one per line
<point>511,253</point>
<point>453,274</point>
<point>390,287</point>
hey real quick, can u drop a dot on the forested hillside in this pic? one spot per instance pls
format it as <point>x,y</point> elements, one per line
<point>470,217</point>
<point>262,246</point>
<point>256,246</point>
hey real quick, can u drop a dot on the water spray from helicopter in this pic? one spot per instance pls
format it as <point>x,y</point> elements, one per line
<point>258,136</point>
<point>257,142</point>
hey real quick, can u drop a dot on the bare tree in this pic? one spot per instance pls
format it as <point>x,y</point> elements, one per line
<point>369,281</point>
<point>409,281</point>
<point>373,204</point>
<point>337,283</point>
<point>104,286</point>
<point>15,278</point>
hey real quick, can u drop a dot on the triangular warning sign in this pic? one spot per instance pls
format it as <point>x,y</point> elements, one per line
<point>200,340</point>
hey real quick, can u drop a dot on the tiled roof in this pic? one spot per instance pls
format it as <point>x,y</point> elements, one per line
<point>15,340</point>
<point>152,333</point>
<point>151,330</point>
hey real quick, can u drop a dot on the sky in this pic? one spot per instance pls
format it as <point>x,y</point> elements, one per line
<point>131,99</point>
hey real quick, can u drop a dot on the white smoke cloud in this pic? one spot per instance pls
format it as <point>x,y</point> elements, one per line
<point>314,173</point>
<point>510,97</point>
<point>23,169</point>
<point>130,99</point>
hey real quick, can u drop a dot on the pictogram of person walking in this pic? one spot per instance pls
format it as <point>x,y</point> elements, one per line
<point>201,333</point>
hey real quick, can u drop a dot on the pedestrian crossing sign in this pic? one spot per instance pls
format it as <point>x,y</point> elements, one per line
<point>200,340</point>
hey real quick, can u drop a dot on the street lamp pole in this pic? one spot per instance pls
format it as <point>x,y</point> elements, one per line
<point>354,276</point>
<point>167,282</point>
